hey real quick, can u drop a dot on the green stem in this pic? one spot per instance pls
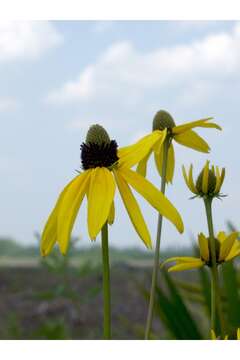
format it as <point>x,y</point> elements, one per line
<point>158,242</point>
<point>216,311</point>
<point>106,285</point>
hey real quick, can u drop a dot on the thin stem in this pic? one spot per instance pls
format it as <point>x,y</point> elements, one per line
<point>106,285</point>
<point>216,311</point>
<point>158,242</point>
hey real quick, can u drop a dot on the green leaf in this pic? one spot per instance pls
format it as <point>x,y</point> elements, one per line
<point>230,284</point>
<point>206,288</point>
<point>183,311</point>
<point>166,312</point>
<point>174,312</point>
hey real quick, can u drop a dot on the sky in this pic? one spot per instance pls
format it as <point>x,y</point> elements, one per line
<point>58,78</point>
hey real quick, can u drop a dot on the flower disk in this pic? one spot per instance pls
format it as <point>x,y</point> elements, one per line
<point>98,155</point>
<point>163,120</point>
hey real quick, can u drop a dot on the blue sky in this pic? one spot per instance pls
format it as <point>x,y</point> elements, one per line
<point>58,78</point>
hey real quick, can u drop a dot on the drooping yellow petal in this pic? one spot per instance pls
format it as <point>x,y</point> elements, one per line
<point>133,154</point>
<point>192,140</point>
<point>205,178</point>
<point>69,208</point>
<point>153,196</point>
<point>203,245</point>
<point>133,209</point>
<point>186,178</point>
<point>235,251</point>
<point>170,162</point>
<point>220,179</point>
<point>100,198</point>
<point>49,235</point>
<point>223,173</point>
<point>190,125</point>
<point>158,146</point>
<point>221,236</point>
<point>142,166</point>
<point>111,216</point>
<point>181,260</point>
<point>227,245</point>
<point>189,179</point>
<point>238,333</point>
<point>210,125</point>
<point>187,266</point>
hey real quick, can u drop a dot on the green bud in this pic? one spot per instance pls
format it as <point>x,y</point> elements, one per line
<point>163,120</point>
<point>97,135</point>
<point>211,182</point>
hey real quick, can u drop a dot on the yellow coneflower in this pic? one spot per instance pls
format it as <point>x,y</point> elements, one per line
<point>227,248</point>
<point>209,181</point>
<point>165,129</point>
<point>208,186</point>
<point>104,168</point>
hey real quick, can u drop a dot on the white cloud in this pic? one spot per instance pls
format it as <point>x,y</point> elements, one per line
<point>83,88</point>
<point>26,39</point>
<point>122,70</point>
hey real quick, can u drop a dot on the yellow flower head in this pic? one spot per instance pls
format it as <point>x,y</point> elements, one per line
<point>104,167</point>
<point>209,181</point>
<point>227,248</point>
<point>165,129</point>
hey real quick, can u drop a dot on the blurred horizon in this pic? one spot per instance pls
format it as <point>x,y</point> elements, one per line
<point>59,77</point>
